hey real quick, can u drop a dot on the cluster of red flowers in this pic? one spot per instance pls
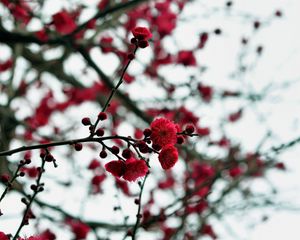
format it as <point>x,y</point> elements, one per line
<point>20,10</point>
<point>141,36</point>
<point>130,170</point>
<point>164,134</point>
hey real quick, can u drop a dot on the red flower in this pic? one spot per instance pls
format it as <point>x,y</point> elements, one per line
<point>94,164</point>
<point>224,142</point>
<point>3,236</point>
<point>141,33</point>
<point>32,172</point>
<point>98,179</point>
<point>116,168</point>
<point>280,166</point>
<point>134,169</point>
<point>103,4</point>
<point>167,183</point>
<point>21,12</point>
<point>96,182</point>
<point>79,229</point>
<point>206,92</point>
<point>163,132</point>
<point>4,178</point>
<point>6,65</point>
<point>186,58</point>
<point>203,39</point>
<point>123,186</point>
<point>165,23</point>
<point>130,170</point>
<point>235,172</point>
<point>106,44</point>
<point>42,35</point>
<point>202,171</point>
<point>63,22</point>
<point>235,116</point>
<point>47,235</point>
<point>203,131</point>
<point>208,230</point>
<point>168,156</point>
<point>128,78</point>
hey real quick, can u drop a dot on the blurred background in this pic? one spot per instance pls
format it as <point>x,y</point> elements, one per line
<point>229,67</point>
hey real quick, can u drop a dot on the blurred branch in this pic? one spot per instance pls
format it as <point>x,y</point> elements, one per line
<point>124,98</point>
<point>110,10</point>
<point>92,224</point>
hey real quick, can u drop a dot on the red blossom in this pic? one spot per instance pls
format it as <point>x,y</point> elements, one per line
<point>79,228</point>
<point>165,23</point>
<point>224,142</point>
<point>198,208</point>
<point>186,58</point>
<point>135,169</point>
<point>5,2</point>
<point>201,171</point>
<point>4,66</point>
<point>94,164</point>
<point>22,88</point>
<point>123,186</point>
<point>98,179</point>
<point>102,4</point>
<point>116,168</point>
<point>203,131</point>
<point>106,44</point>
<point>235,172</point>
<point>186,117</point>
<point>280,165</point>
<point>163,132</point>
<point>162,6</point>
<point>42,35</point>
<point>96,182</point>
<point>3,236</point>
<point>141,33</point>
<point>131,170</point>
<point>21,11</point>
<point>235,116</point>
<point>63,22</point>
<point>168,156</point>
<point>128,78</point>
<point>203,39</point>
<point>91,24</point>
<point>47,235</point>
<point>206,92</point>
<point>43,111</point>
<point>32,172</point>
<point>138,133</point>
<point>168,232</point>
<point>167,183</point>
<point>203,191</point>
<point>208,230</point>
<point>4,178</point>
